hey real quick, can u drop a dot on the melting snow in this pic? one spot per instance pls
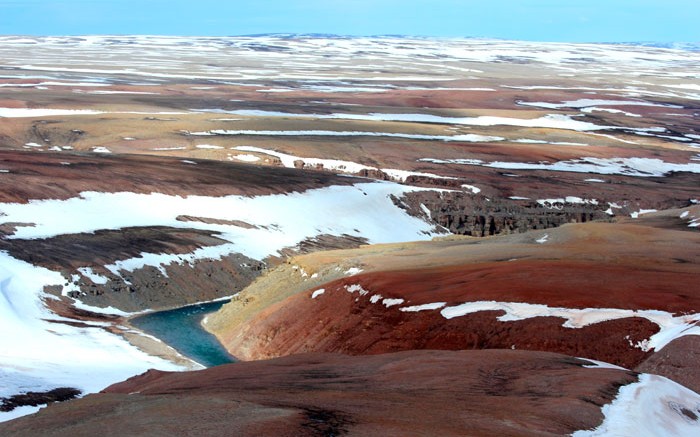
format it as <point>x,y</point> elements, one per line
<point>317,293</point>
<point>559,203</point>
<point>391,302</point>
<point>94,277</point>
<point>552,121</point>
<point>472,188</point>
<point>336,165</point>
<point>424,307</point>
<point>36,112</point>
<point>247,158</point>
<point>543,239</point>
<point>653,406</point>
<point>169,148</point>
<point>609,110</point>
<point>356,287</point>
<point>670,326</point>
<point>40,355</point>
<point>640,167</point>
<point>636,214</point>
<point>472,138</point>
<point>601,365</point>
<point>585,103</point>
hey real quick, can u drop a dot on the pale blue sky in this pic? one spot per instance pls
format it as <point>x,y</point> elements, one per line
<point>539,20</point>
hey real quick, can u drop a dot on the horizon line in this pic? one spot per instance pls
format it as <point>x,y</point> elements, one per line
<point>351,36</point>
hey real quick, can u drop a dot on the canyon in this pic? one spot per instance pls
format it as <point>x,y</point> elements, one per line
<point>417,237</point>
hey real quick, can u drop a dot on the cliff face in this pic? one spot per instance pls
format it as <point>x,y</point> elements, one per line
<point>420,393</point>
<point>590,290</point>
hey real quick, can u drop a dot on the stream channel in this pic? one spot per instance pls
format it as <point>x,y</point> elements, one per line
<point>181,329</point>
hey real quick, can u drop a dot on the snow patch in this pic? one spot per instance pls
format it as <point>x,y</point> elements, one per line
<point>94,277</point>
<point>356,287</point>
<point>424,307</point>
<point>353,271</point>
<point>391,302</point>
<point>336,165</point>
<point>169,148</point>
<point>586,103</point>
<point>36,112</point>
<point>639,167</point>
<point>653,406</point>
<point>601,365</point>
<point>472,188</point>
<point>376,298</point>
<point>246,158</point>
<point>636,214</point>
<point>471,138</point>
<point>670,326</point>
<point>317,293</point>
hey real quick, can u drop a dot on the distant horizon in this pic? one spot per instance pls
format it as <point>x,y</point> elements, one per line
<point>574,21</point>
<point>660,44</point>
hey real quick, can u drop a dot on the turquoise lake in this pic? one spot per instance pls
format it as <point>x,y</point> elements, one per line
<point>181,329</point>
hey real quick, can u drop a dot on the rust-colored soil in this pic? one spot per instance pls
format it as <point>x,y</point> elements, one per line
<point>59,176</point>
<point>418,393</point>
<point>591,265</point>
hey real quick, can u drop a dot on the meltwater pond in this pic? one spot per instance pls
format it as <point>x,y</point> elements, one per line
<point>181,329</point>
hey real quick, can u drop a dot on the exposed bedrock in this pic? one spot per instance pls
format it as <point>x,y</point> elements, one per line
<point>182,284</point>
<point>478,216</point>
<point>418,393</point>
<point>147,287</point>
<point>169,285</point>
<point>465,214</point>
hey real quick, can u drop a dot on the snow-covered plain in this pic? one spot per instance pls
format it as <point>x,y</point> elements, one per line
<point>319,61</point>
<point>41,355</point>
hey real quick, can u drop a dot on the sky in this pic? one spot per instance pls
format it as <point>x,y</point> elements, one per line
<point>533,20</point>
